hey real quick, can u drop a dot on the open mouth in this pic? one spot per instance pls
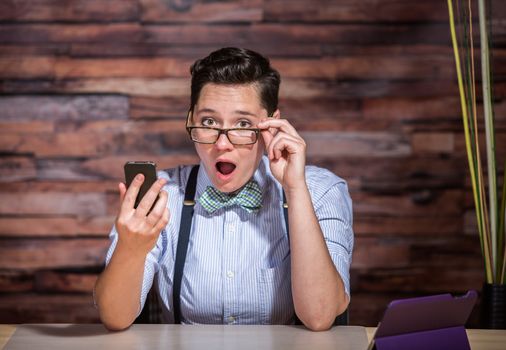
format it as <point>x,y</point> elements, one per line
<point>225,168</point>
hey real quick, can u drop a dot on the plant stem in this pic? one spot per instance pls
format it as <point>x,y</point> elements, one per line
<point>490,139</point>
<point>473,157</point>
<point>502,230</point>
<point>481,206</point>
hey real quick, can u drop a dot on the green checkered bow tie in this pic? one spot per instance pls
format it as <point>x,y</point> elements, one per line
<point>249,198</point>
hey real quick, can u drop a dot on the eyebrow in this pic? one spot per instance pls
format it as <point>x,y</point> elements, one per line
<point>206,110</point>
<point>246,113</point>
<point>240,112</point>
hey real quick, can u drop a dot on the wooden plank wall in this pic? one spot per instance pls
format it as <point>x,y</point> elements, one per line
<point>370,84</point>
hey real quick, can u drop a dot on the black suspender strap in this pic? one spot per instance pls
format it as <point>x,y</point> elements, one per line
<point>285,214</point>
<point>182,242</point>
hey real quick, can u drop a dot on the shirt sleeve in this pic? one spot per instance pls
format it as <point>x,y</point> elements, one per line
<point>333,208</point>
<point>151,264</point>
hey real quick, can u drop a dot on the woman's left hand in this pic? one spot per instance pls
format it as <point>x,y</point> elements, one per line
<point>286,150</point>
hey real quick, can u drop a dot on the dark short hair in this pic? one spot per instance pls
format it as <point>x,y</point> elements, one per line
<point>230,66</point>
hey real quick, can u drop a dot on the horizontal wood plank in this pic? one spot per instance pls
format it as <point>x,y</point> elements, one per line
<point>41,308</point>
<point>201,11</point>
<point>374,253</point>
<point>27,126</point>
<point>199,34</point>
<point>290,88</point>
<point>68,10</point>
<point>29,254</point>
<point>441,143</point>
<point>167,49</point>
<point>94,143</point>
<point>57,144</point>
<point>51,108</point>
<point>57,203</point>
<point>397,175</point>
<point>16,282</point>
<point>433,225</point>
<point>352,11</point>
<point>72,187</point>
<point>444,202</point>
<point>427,280</point>
<point>112,167</point>
<point>152,107</point>
<point>59,226</point>
<point>64,282</point>
<point>461,252</point>
<point>17,168</point>
<point>355,144</point>
<point>373,67</point>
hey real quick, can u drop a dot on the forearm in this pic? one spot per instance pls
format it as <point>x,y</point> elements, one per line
<point>318,290</point>
<point>118,289</point>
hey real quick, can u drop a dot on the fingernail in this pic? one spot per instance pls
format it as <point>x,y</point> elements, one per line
<point>139,177</point>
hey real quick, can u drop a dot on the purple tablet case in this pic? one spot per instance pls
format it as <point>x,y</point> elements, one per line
<point>433,322</point>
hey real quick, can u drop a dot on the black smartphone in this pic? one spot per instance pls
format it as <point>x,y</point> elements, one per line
<point>148,169</point>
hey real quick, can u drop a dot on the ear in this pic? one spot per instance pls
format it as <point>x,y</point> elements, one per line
<point>276,114</point>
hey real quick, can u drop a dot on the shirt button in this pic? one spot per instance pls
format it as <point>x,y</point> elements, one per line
<point>230,274</point>
<point>231,228</point>
<point>231,319</point>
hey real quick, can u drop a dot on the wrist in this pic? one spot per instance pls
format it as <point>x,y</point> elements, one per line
<point>124,251</point>
<point>296,191</point>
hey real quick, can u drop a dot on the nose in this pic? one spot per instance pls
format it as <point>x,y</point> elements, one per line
<point>223,143</point>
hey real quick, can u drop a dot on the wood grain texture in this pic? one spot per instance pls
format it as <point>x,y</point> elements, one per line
<point>68,10</point>
<point>49,108</point>
<point>353,11</point>
<point>87,85</point>
<point>46,308</point>
<point>29,254</point>
<point>374,67</point>
<point>201,11</point>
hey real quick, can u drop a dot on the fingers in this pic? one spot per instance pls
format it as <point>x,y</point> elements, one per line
<point>149,198</point>
<point>278,124</point>
<point>284,139</point>
<point>273,129</point>
<point>283,143</point>
<point>267,136</point>
<point>139,231</point>
<point>157,211</point>
<point>162,222</point>
<point>127,204</point>
<point>122,191</point>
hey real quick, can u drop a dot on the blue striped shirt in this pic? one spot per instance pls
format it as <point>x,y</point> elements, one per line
<point>237,270</point>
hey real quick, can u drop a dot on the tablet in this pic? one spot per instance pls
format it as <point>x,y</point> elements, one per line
<point>432,322</point>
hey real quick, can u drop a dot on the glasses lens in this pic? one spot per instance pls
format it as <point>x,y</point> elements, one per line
<point>242,137</point>
<point>204,135</point>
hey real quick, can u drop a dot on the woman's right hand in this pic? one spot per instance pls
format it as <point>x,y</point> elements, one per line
<point>138,228</point>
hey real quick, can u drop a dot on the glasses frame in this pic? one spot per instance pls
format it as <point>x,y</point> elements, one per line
<point>220,131</point>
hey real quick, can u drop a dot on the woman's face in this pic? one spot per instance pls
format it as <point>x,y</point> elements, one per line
<point>229,106</point>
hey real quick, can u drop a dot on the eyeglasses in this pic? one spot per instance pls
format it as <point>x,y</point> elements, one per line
<point>209,135</point>
<point>236,136</point>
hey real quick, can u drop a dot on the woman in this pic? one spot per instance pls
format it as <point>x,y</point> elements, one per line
<point>241,266</point>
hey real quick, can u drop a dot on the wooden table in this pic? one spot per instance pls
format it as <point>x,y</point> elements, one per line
<point>5,333</point>
<point>198,337</point>
<point>212,336</point>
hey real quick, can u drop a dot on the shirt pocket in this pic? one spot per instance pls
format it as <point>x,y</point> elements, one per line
<point>275,291</point>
